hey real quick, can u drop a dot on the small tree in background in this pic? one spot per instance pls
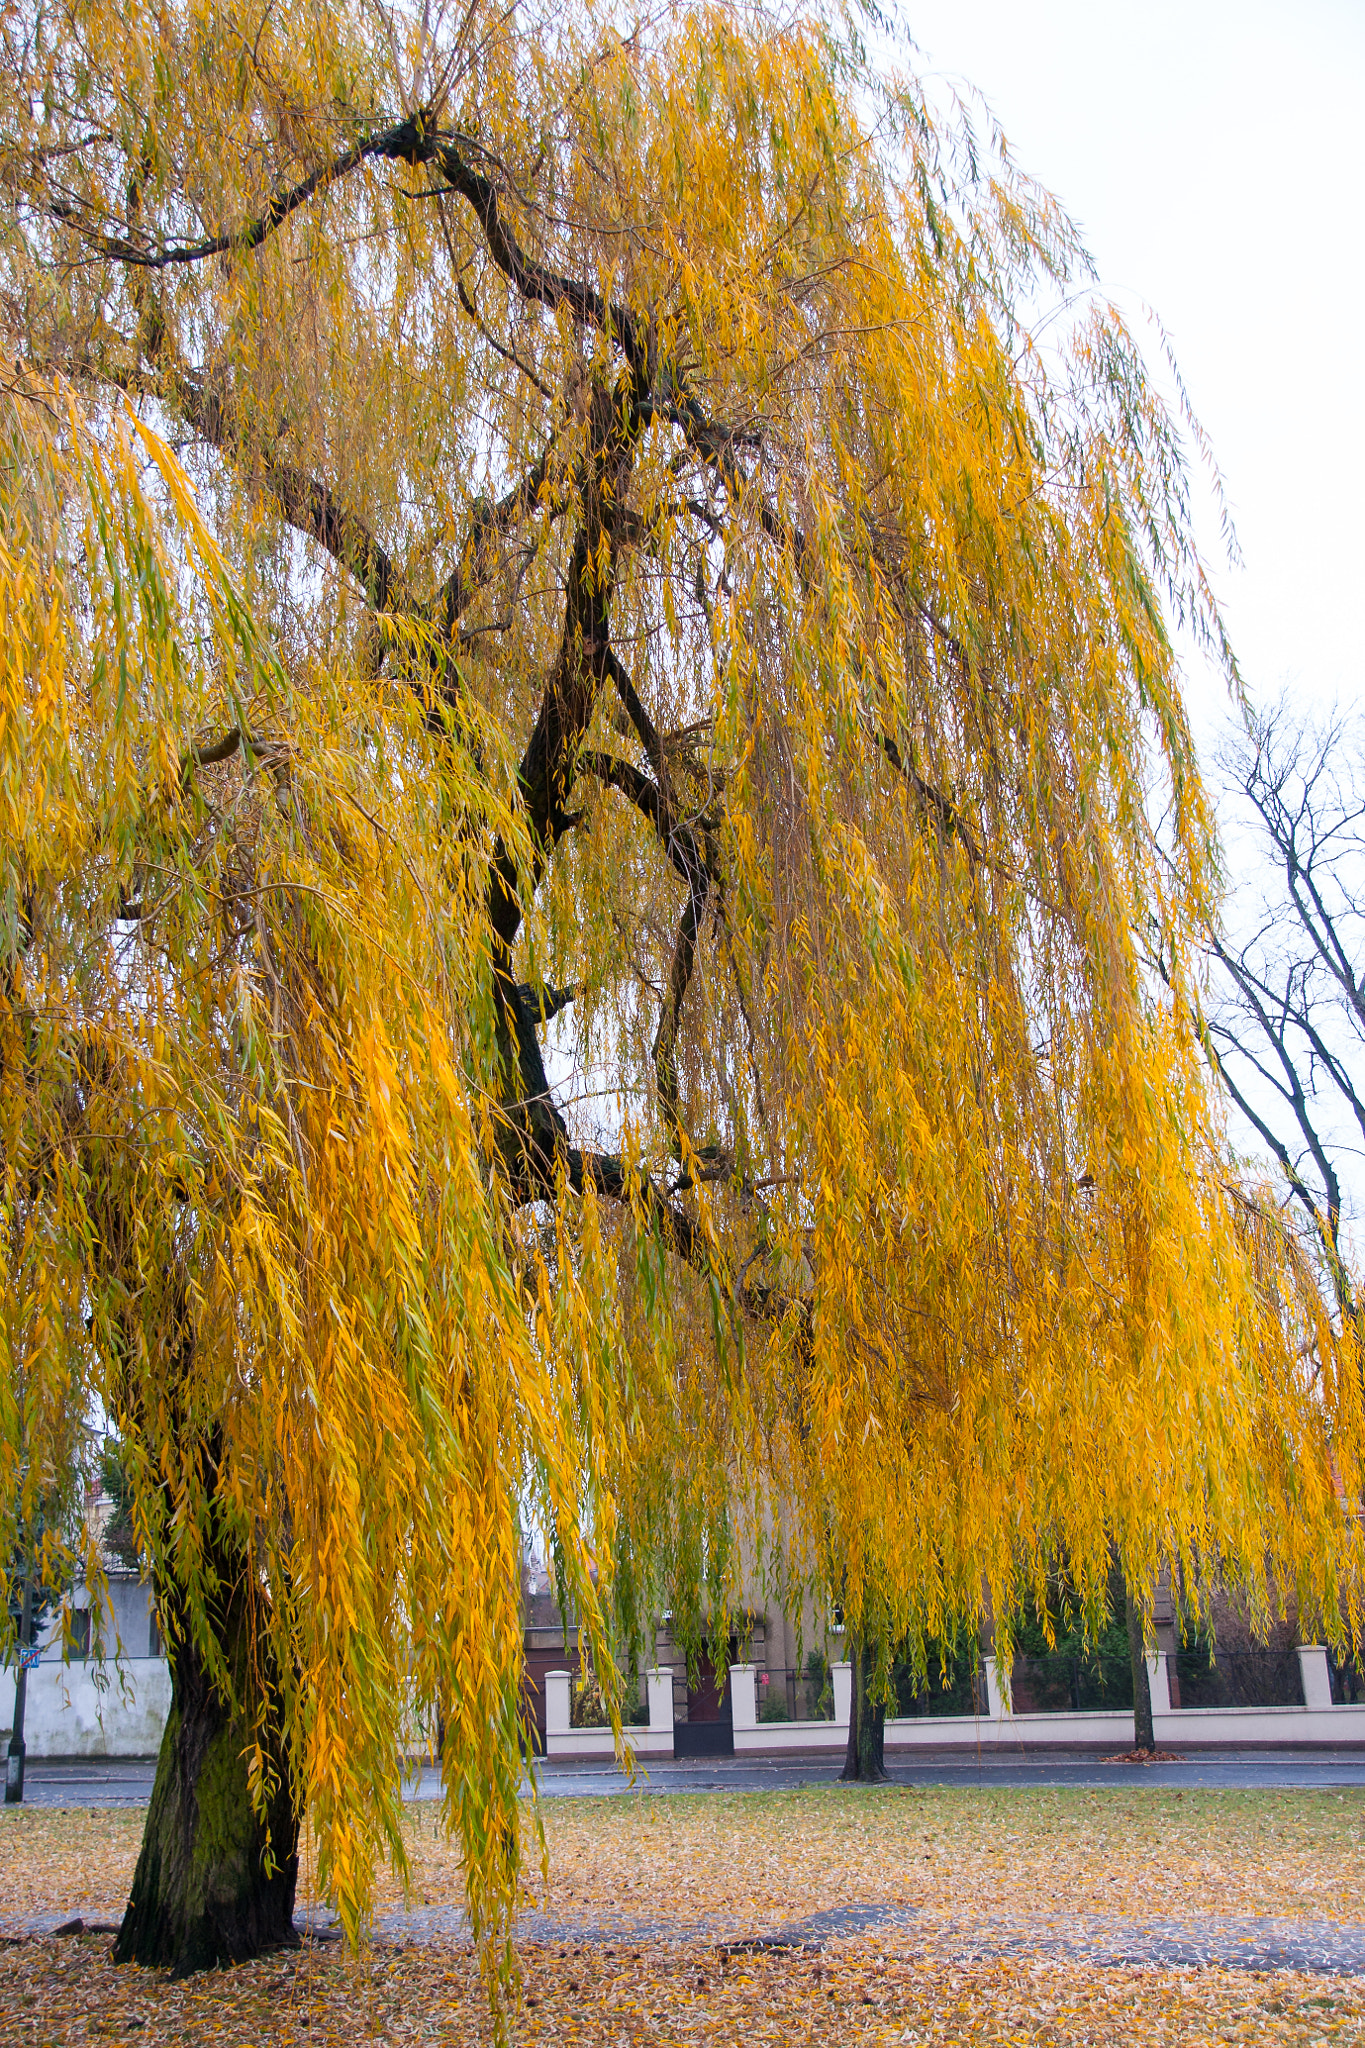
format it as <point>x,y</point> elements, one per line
<point>119,1536</point>
<point>1286,1016</point>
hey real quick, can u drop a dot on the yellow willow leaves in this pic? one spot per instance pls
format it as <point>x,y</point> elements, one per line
<point>258,1185</point>
<point>580,878</point>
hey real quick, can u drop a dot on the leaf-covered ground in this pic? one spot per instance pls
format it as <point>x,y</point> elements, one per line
<point>995,1917</point>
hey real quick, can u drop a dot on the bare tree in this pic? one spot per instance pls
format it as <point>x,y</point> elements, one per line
<point>1286,1022</point>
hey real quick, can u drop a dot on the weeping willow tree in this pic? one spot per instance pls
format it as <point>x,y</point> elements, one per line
<point>581,710</point>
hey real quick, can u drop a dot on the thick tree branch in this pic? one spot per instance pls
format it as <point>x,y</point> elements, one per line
<point>535,281</point>
<point>644,725</point>
<point>416,141</point>
<point>491,522</point>
<point>400,140</point>
<point>682,842</point>
<point>307,503</point>
<point>932,801</point>
<point>543,1002</point>
<point>548,764</point>
<point>687,851</point>
<point>209,756</point>
<point>665,1048</point>
<point>608,1175</point>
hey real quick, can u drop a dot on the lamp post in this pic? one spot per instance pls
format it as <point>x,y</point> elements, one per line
<point>14,1761</point>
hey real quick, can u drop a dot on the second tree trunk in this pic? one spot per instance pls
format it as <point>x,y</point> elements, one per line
<point>1143,1737</point>
<point>865,1759</point>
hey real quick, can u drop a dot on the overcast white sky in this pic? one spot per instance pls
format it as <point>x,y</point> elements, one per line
<point>1212,154</point>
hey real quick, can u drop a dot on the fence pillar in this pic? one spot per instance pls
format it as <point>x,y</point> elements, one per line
<point>1159,1683</point>
<point>556,1703</point>
<point>997,1708</point>
<point>1317,1679</point>
<point>743,1705</point>
<point>842,1675</point>
<point>660,1684</point>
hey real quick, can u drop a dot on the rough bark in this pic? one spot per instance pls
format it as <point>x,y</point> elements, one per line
<point>865,1757</point>
<point>215,1880</point>
<point>1143,1736</point>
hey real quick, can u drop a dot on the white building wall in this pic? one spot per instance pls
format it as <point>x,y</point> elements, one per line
<point>85,1710</point>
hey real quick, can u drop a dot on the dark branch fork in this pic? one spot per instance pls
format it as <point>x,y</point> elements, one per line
<point>535,1134</point>
<point>416,141</point>
<point>587,660</point>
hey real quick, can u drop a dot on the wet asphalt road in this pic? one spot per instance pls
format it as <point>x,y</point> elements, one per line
<point>130,1784</point>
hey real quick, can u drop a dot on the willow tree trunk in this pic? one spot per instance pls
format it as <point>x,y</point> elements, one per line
<point>1143,1736</point>
<point>215,1880</point>
<point>865,1759</point>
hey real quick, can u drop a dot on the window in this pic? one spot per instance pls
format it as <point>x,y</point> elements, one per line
<point>80,1631</point>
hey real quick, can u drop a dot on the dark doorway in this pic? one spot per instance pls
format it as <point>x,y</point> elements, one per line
<point>709,1729</point>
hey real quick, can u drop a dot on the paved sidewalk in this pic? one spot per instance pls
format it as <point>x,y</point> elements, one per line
<point>1247,1942</point>
<point>116,1783</point>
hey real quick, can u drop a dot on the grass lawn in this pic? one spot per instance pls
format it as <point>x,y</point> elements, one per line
<point>987,1882</point>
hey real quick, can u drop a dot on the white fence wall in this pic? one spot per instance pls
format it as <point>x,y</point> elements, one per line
<point>79,1710</point>
<point>1317,1723</point>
